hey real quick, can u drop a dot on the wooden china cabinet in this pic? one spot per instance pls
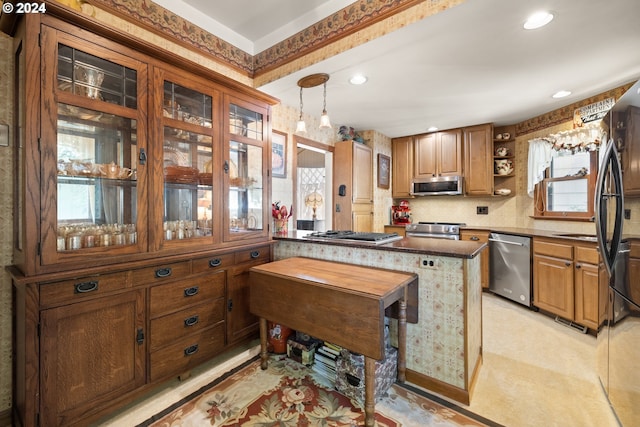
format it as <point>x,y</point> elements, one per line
<point>141,195</point>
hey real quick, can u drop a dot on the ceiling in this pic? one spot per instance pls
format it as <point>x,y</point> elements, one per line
<point>471,64</point>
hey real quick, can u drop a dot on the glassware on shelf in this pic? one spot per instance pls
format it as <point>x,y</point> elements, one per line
<point>87,235</point>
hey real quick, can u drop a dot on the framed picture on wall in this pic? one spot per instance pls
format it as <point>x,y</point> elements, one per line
<point>278,154</point>
<point>384,167</point>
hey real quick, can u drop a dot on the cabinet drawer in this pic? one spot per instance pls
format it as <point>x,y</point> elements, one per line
<point>213,262</point>
<point>635,249</point>
<point>167,329</point>
<point>160,273</point>
<point>260,253</point>
<point>81,288</point>
<point>587,254</point>
<point>187,352</point>
<point>558,250</point>
<point>476,236</point>
<point>178,295</point>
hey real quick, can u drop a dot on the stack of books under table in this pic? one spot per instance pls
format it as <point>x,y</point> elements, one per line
<point>325,360</point>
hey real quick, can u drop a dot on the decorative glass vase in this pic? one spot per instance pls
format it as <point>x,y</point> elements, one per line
<point>280,226</point>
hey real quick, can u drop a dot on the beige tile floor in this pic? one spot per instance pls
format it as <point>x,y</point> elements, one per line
<point>536,372</point>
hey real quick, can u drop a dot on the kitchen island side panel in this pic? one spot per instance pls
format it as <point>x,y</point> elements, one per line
<point>445,343</point>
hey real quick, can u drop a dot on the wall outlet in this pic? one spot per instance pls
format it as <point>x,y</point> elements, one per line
<point>430,263</point>
<point>482,210</point>
<point>337,207</point>
<point>627,214</point>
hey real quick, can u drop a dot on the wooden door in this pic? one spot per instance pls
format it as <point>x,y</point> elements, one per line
<point>450,153</point>
<point>240,322</point>
<point>362,170</point>
<point>478,171</point>
<point>553,285</point>
<point>425,161</point>
<point>587,295</point>
<point>91,353</point>
<point>401,167</point>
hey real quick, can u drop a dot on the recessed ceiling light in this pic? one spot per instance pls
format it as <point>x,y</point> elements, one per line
<point>358,79</point>
<point>537,20</point>
<point>561,94</point>
<point>432,129</point>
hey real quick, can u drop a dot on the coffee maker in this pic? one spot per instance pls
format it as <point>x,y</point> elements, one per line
<point>401,214</point>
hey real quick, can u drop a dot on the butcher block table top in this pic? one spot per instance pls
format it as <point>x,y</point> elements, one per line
<point>341,303</point>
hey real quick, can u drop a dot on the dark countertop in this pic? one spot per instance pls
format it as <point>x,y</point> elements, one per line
<point>534,232</point>
<point>417,245</point>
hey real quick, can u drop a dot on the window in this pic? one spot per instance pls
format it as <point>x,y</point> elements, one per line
<point>568,188</point>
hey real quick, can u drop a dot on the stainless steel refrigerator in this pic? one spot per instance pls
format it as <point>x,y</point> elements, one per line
<point>619,336</point>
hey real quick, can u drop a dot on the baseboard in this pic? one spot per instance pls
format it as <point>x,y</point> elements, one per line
<point>5,418</point>
<point>437,386</point>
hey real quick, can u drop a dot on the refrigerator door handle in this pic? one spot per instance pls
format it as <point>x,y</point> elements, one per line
<point>609,185</point>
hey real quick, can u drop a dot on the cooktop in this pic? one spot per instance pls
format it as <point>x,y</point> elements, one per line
<point>354,236</point>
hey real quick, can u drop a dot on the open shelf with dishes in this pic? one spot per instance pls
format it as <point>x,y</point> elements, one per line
<point>504,161</point>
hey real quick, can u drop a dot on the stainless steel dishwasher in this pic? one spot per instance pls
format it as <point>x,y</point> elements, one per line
<point>510,267</point>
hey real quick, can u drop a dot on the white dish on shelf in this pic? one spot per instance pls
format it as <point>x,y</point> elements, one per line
<point>502,192</point>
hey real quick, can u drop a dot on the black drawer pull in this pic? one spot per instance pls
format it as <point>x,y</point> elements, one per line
<point>190,321</point>
<point>189,292</point>
<point>192,349</point>
<point>84,287</point>
<point>216,262</point>
<point>255,254</point>
<point>163,272</point>
<point>140,336</point>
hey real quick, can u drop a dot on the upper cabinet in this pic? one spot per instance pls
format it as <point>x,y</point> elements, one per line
<point>628,137</point>
<point>401,166</point>
<point>438,154</point>
<point>478,160</point>
<point>124,155</point>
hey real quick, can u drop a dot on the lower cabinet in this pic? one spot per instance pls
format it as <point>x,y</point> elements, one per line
<point>86,346</point>
<point>569,281</point>
<point>480,236</point>
<point>91,352</point>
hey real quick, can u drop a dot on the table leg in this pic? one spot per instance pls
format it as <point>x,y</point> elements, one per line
<point>369,391</point>
<point>264,354</point>
<point>402,341</point>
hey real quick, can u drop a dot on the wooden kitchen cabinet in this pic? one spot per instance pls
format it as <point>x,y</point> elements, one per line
<point>141,195</point>
<point>91,353</point>
<point>553,288</point>
<point>480,236</point>
<point>478,160</point>
<point>504,149</point>
<point>241,322</point>
<point>570,281</point>
<point>630,149</point>
<point>438,154</point>
<point>353,186</point>
<point>401,167</point>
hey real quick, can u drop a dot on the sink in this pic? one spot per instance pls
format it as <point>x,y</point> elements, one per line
<point>587,237</point>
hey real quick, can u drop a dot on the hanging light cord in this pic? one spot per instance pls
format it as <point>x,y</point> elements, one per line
<point>300,103</point>
<point>324,104</point>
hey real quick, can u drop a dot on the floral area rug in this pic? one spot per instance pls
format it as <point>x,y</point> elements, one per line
<point>289,394</point>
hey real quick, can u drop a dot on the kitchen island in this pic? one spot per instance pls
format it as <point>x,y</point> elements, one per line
<point>444,348</point>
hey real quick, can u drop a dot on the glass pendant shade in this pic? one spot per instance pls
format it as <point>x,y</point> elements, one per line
<point>301,127</point>
<point>324,120</point>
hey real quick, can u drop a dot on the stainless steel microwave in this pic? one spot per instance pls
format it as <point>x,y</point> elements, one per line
<point>437,186</point>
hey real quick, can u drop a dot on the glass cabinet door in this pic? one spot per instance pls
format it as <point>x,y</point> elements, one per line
<point>245,172</point>
<point>92,204</point>
<point>188,208</point>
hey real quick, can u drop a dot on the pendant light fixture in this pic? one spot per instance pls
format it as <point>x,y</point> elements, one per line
<point>314,80</point>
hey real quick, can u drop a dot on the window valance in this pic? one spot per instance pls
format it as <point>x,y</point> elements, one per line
<point>542,150</point>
